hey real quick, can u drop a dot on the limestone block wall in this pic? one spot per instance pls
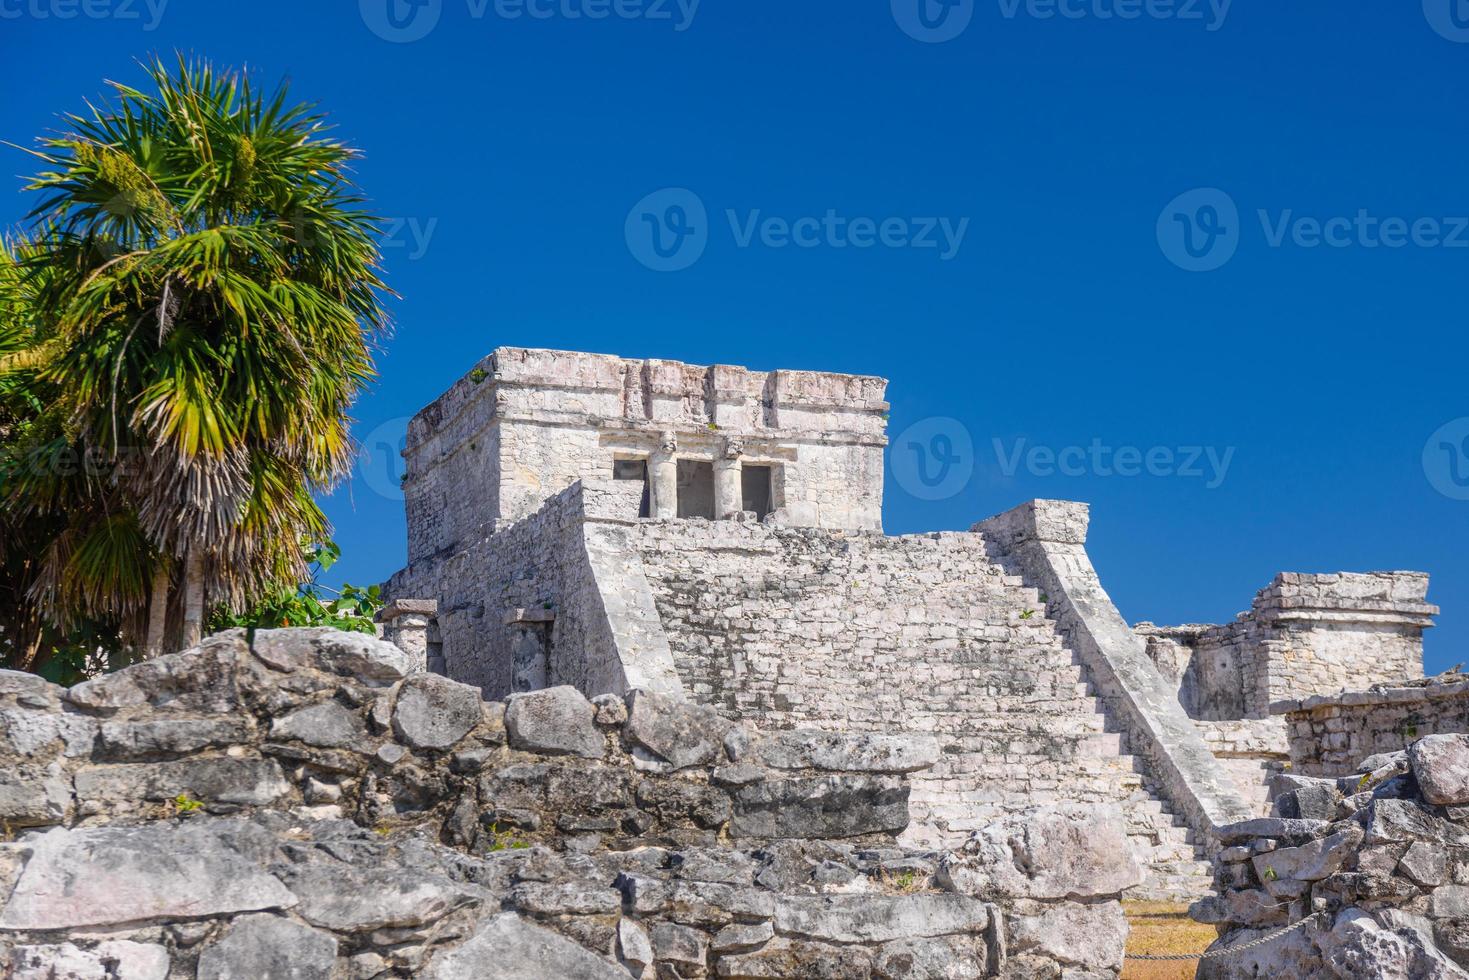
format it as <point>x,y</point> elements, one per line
<point>524,425</point>
<point>1044,541</point>
<point>553,599</point>
<point>1330,735</point>
<point>1253,751</point>
<point>1303,635</point>
<point>793,627</point>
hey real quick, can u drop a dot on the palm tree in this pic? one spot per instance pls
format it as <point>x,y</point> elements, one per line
<point>203,296</point>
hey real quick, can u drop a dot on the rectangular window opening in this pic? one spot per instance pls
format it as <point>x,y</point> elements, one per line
<point>755,492</point>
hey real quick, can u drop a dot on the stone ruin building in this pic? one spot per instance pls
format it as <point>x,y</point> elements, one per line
<point>702,718</point>
<point>713,534</point>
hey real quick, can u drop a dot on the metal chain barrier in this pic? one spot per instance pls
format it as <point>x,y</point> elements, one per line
<point>1232,950</point>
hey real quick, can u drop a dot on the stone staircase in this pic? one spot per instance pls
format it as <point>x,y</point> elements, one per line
<point>802,628</point>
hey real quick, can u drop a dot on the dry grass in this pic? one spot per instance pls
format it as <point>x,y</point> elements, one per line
<point>1161,928</point>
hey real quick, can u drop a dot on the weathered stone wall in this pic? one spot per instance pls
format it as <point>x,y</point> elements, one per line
<point>1304,635</point>
<point>794,627</point>
<point>564,580</point>
<point>524,425</point>
<point>1253,751</point>
<point>1329,734</point>
<point>1371,868</point>
<point>299,805</point>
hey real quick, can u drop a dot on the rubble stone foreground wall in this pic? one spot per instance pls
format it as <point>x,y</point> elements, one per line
<point>298,804</point>
<point>1372,869</point>
<point>1330,734</point>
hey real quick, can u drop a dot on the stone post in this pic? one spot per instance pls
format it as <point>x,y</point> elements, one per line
<point>663,475</point>
<point>406,623</point>
<point>728,490</point>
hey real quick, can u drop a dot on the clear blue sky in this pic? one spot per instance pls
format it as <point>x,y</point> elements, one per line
<point>513,150</point>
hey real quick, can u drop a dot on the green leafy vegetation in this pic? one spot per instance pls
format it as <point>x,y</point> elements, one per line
<point>184,325</point>
<point>503,840</point>
<point>310,604</point>
<point>184,803</point>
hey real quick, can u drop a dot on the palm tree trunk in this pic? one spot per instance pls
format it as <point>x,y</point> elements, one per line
<point>157,612</point>
<point>193,599</point>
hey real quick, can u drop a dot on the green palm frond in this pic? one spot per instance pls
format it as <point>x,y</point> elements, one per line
<point>196,308</point>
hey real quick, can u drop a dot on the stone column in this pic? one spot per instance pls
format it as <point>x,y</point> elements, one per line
<point>729,493</point>
<point>663,475</point>
<point>530,648</point>
<point>406,624</point>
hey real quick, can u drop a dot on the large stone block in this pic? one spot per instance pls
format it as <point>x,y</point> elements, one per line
<point>519,951</point>
<point>259,946</point>
<point>32,796</point>
<point>328,725</point>
<point>221,779</point>
<point>148,737</point>
<point>107,876</point>
<point>433,712</point>
<point>110,960</point>
<point>839,752</point>
<point>556,721</point>
<point>1089,936</point>
<point>680,732</point>
<point>356,655</point>
<point>1441,765</point>
<point>349,898</point>
<point>1063,852</point>
<point>845,919</point>
<point>825,806</point>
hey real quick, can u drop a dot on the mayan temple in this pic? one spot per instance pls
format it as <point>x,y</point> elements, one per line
<point>714,534</point>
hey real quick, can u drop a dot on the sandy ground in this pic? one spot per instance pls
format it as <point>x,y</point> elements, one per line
<point>1161,928</point>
